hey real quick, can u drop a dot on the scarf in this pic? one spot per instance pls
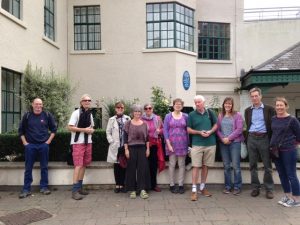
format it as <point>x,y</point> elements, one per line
<point>155,122</point>
<point>84,121</point>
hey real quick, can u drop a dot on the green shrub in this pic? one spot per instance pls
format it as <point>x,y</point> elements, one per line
<point>11,148</point>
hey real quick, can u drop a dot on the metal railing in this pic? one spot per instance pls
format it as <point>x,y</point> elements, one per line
<point>278,13</point>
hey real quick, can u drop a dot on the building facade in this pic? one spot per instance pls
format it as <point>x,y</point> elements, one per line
<point>122,49</point>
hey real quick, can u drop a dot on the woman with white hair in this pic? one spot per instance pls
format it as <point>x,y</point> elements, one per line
<point>137,150</point>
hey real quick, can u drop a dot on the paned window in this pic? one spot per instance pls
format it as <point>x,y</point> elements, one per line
<point>214,41</point>
<point>170,25</point>
<point>49,14</point>
<point>87,28</point>
<point>11,101</point>
<point>11,6</point>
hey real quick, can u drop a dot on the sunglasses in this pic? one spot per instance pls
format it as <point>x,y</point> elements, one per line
<point>147,108</point>
<point>86,100</point>
<point>120,107</point>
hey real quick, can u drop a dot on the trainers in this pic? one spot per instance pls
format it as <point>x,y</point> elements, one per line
<point>206,193</point>
<point>291,203</point>
<point>45,191</point>
<point>132,195</point>
<point>76,195</point>
<point>226,191</point>
<point>173,189</point>
<point>255,192</point>
<point>269,195</point>
<point>236,192</point>
<point>283,200</point>
<point>83,192</point>
<point>181,190</point>
<point>194,196</point>
<point>24,194</point>
<point>144,194</point>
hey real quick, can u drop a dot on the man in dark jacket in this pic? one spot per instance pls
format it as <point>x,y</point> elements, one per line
<point>258,120</point>
<point>34,132</point>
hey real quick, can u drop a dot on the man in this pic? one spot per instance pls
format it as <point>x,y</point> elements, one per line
<point>258,121</point>
<point>81,125</point>
<point>34,132</point>
<point>202,124</point>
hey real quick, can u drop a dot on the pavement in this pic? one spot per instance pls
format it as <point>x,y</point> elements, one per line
<point>103,207</point>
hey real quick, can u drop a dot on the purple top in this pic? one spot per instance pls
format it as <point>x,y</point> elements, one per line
<point>176,131</point>
<point>237,133</point>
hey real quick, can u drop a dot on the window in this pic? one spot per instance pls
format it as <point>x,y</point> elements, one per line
<point>11,101</point>
<point>49,27</point>
<point>11,6</point>
<point>170,25</point>
<point>87,26</point>
<point>214,41</point>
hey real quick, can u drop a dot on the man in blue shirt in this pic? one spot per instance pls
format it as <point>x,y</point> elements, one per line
<point>258,120</point>
<point>34,133</point>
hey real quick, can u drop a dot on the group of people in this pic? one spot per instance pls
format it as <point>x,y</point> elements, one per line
<point>135,146</point>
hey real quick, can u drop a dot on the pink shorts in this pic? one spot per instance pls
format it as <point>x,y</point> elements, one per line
<point>82,154</point>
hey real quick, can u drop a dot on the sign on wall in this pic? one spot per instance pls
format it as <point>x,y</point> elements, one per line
<point>186,80</point>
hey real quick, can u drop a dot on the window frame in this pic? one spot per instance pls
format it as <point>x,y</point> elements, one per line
<point>169,25</point>
<point>11,7</point>
<point>214,43</point>
<point>90,22</point>
<point>5,94</point>
<point>49,17</point>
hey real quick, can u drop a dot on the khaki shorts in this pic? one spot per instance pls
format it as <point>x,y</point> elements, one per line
<point>203,155</point>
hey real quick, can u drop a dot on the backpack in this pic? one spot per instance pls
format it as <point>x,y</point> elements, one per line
<point>210,116</point>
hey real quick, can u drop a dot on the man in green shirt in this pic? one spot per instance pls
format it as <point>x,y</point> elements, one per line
<point>202,124</point>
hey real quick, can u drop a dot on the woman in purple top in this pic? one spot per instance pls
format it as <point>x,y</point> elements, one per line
<point>176,136</point>
<point>230,133</point>
<point>286,131</point>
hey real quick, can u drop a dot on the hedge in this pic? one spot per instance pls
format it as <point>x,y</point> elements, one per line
<point>10,144</point>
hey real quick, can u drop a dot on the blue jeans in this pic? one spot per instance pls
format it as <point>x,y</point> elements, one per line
<point>286,168</point>
<point>231,154</point>
<point>31,152</point>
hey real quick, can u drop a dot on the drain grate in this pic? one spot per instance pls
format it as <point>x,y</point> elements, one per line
<point>25,217</point>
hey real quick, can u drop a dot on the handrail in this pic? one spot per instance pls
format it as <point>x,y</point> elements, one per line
<point>274,13</point>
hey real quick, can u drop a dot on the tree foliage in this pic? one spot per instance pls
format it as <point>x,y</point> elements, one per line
<point>54,89</point>
<point>160,102</point>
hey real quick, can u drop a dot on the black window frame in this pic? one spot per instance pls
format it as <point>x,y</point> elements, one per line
<point>213,40</point>
<point>169,25</point>
<point>49,19</point>
<point>11,99</point>
<point>87,28</point>
<point>12,6</point>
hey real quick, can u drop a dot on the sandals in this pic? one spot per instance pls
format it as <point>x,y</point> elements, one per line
<point>132,195</point>
<point>144,194</point>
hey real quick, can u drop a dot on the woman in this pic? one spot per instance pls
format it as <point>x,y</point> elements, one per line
<point>114,135</point>
<point>137,150</point>
<point>230,133</point>
<point>154,123</point>
<point>286,131</point>
<point>176,137</point>
<point>81,126</point>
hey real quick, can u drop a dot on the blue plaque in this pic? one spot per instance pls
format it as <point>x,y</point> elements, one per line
<point>186,80</point>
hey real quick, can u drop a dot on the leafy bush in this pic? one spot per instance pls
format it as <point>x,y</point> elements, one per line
<point>11,148</point>
<point>55,91</point>
<point>160,102</point>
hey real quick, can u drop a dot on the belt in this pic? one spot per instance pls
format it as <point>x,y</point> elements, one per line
<point>257,134</point>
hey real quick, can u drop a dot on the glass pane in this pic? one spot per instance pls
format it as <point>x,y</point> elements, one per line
<point>77,19</point>
<point>150,26</point>
<point>83,18</point>
<point>90,10</point>
<point>91,19</point>
<point>156,26</point>
<point>97,37</point>
<point>9,122</point>
<point>164,16</point>
<point>156,16</point>
<point>170,15</point>
<point>171,43</point>
<point>150,44</point>
<point>170,7</point>
<point>150,35</point>
<point>164,43</point>
<point>156,44</point>
<point>156,8</point>
<point>149,16</point>
<point>156,35</point>
<point>97,18</point>
<point>91,37</point>
<point>83,28</point>
<point>170,26</point>
<point>97,45</point>
<point>164,35</point>
<point>170,34</point>
<point>149,8</point>
<point>4,101</point>
<point>97,28</point>
<point>97,10</point>
<point>163,26</point>
<point>164,7</point>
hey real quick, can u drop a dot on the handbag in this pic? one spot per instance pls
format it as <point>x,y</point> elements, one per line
<point>274,150</point>
<point>70,156</point>
<point>244,151</point>
<point>121,157</point>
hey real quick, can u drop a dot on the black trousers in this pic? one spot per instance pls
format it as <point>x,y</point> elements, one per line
<point>137,172</point>
<point>153,165</point>
<point>119,174</point>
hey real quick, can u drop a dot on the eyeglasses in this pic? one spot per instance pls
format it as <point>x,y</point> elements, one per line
<point>86,100</point>
<point>120,107</point>
<point>147,108</point>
